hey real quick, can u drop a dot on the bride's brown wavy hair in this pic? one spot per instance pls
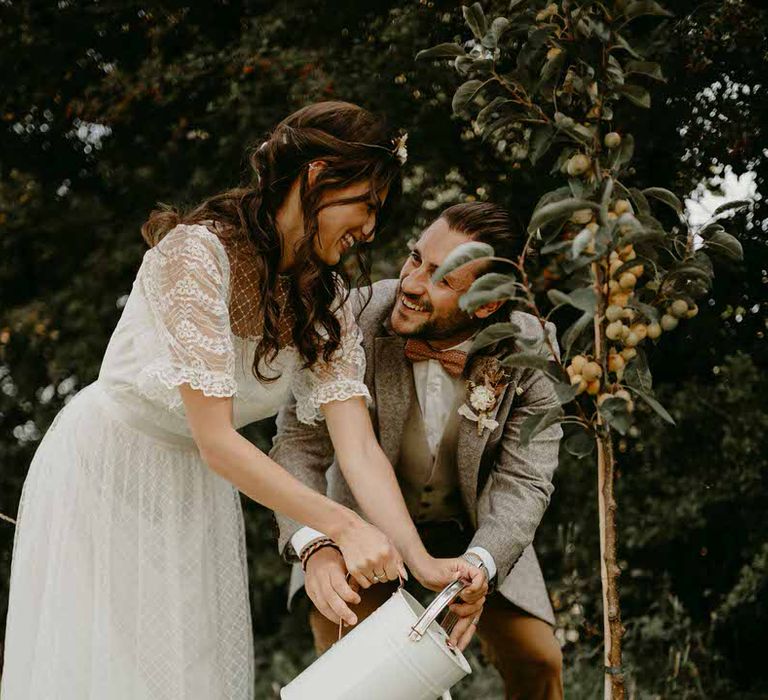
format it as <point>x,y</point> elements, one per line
<point>356,147</point>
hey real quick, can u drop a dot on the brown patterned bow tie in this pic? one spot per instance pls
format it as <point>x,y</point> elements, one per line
<point>453,361</point>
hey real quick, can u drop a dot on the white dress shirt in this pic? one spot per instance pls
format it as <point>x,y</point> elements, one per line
<point>436,393</point>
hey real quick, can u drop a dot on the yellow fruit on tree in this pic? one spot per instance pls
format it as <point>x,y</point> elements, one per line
<point>612,139</point>
<point>582,216</point>
<point>614,330</point>
<point>640,330</point>
<point>678,308</point>
<point>654,330</point>
<point>614,313</point>
<point>579,382</point>
<point>578,363</point>
<point>629,354</point>
<point>578,164</point>
<point>622,206</point>
<point>554,52</point>
<point>631,340</point>
<point>591,371</point>
<point>627,280</point>
<point>615,362</point>
<point>692,311</point>
<point>669,323</point>
<point>593,387</point>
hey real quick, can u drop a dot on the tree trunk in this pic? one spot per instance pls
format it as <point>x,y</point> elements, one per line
<point>609,570</point>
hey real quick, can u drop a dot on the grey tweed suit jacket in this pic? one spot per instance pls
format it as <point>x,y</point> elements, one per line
<point>505,487</point>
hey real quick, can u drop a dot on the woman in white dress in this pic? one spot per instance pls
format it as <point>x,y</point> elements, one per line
<point>128,579</point>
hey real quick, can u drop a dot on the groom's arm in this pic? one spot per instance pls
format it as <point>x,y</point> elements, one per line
<point>519,486</point>
<point>306,452</point>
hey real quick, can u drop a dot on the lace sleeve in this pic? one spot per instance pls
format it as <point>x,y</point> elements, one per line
<point>185,280</point>
<point>341,378</point>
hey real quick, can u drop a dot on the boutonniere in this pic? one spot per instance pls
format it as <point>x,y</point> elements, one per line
<point>483,397</point>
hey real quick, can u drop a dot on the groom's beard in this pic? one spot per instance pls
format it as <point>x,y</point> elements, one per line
<point>435,326</point>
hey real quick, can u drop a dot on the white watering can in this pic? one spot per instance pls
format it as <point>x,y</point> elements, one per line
<point>400,652</point>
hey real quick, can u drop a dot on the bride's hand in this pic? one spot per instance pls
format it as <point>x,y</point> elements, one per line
<point>369,554</point>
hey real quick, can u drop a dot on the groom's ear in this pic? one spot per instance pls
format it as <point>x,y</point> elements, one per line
<point>486,310</point>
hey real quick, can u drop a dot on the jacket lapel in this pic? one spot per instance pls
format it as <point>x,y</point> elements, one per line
<point>471,446</point>
<point>393,380</point>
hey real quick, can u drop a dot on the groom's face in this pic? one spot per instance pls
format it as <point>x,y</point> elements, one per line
<point>430,310</point>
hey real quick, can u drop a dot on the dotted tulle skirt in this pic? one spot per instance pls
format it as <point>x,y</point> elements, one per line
<point>129,577</point>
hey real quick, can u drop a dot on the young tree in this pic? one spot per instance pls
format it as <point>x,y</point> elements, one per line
<point>551,83</point>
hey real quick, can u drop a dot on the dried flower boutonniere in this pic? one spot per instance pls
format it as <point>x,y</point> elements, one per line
<point>482,399</point>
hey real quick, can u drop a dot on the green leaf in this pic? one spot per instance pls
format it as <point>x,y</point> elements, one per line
<point>572,334</point>
<point>637,374</point>
<point>732,206</point>
<point>725,244</point>
<point>645,7</point>
<point>614,411</point>
<point>580,443</point>
<point>495,333</point>
<point>538,422</point>
<point>461,255</point>
<point>710,230</point>
<point>475,18</point>
<point>625,151</point>
<point>552,196</point>
<point>526,359</point>
<point>491,110</point>
<point>637,95</point>
<point>488,288</point>
<point>583,299</point>
<point>565,392</point>
<point>622,43</point>
<point>441,51</point>
<point>499,26</point>
<point>580,242</point>
<point>515,4</point>
<point>648,68</point>
<point>669,198</point>
<point>541,140</point>
<point>654,404</point>
<point>465,93</point>
<point>640,200</point>
<point>558,210</point>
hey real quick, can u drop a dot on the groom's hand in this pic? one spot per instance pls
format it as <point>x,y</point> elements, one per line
<point>327,587</point>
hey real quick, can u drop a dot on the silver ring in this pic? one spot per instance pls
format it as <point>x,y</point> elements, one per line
<point>375,578</point>
<point>475,621</point>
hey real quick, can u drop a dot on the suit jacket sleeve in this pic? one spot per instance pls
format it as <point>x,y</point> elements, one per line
<point>306,452</point>
<point>519,486</point>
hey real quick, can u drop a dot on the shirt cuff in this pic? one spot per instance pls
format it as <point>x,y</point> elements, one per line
<point>301,538</point>
<point>485,555</point>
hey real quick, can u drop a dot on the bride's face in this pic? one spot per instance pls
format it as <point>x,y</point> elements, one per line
<point>345,224</point>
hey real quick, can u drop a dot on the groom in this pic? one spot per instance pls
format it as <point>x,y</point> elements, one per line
<point>472,490</point>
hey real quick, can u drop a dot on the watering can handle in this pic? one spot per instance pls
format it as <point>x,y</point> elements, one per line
<point>440,603</point>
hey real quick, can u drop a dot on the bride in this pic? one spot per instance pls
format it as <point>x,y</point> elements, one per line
<point>128,579</point>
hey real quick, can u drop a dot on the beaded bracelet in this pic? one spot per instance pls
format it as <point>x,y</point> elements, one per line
<point>316,546</point>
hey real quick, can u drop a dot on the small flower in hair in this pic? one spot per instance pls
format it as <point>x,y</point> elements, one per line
<point>400,149</point>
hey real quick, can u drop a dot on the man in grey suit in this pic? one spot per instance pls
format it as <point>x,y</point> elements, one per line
<point>470,485</point>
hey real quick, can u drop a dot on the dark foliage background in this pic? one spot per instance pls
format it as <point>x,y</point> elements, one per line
<point>108,107</point>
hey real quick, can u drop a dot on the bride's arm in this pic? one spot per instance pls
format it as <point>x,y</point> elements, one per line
<point>371,477</point>
<point>237,460</point>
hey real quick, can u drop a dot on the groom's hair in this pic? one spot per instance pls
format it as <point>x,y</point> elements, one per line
<point>487,223</point>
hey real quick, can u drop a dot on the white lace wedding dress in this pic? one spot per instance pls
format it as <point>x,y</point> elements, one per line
<point>129,577</point>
